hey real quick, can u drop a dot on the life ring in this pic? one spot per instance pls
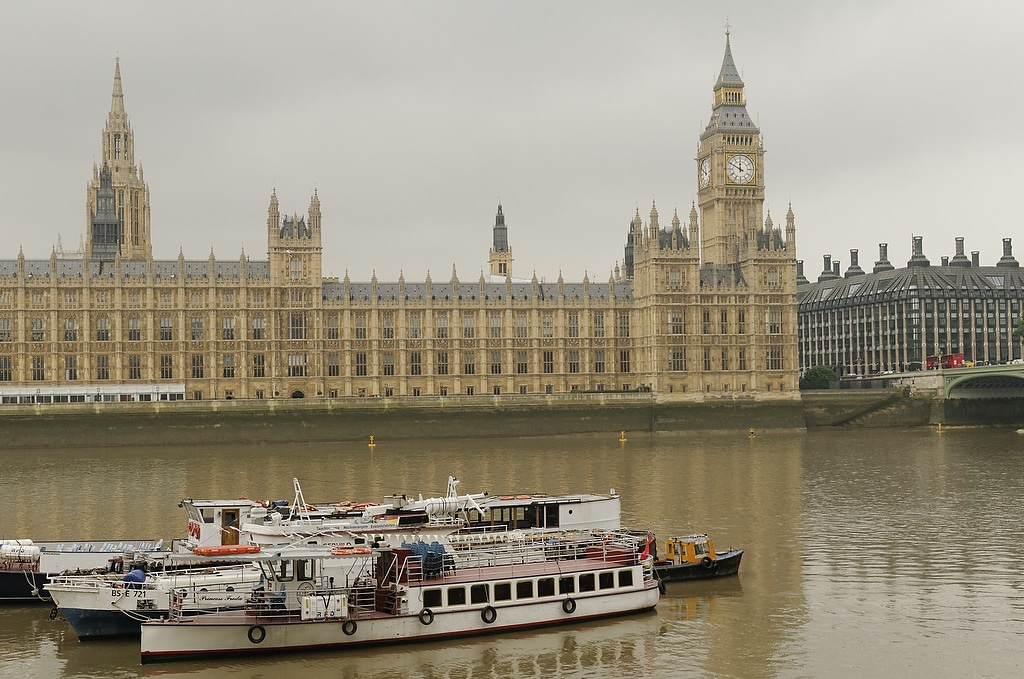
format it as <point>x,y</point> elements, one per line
<point>489,615</point>
<point>522,497</point>
<point>349,627</point>
<point>362,550</point>
<point>257,634</point>
<point>569,606</point>
<point>426,616</point>
<point>707,562</point>
<point>506,497</point>
<point>343,551</point>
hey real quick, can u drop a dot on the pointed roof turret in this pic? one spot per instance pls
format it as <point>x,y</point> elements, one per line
<point>117,99</point>
<point>729,75</point>
<point>730,103</point>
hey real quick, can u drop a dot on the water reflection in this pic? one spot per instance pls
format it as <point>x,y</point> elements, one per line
<point>865,551</point>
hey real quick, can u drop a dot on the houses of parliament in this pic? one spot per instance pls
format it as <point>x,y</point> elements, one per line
<point>701,306</point>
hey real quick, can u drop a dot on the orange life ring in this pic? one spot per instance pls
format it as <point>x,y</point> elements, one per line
<point>363,550</point>
<point>522,497</point>
<point>506,497</point>
<point>343,551</point>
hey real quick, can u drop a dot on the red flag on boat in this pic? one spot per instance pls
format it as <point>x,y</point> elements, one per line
<point>647,548</point>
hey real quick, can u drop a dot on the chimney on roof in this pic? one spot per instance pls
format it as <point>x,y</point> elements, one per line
<point>1007,259</point>
<point>835,268</point>
<point>945,260</point>
<point>826,272</point>
<point>854,269</point>
<point>918,258</point>
<point>883,259</point>
<point>974,258</point>
<point>960,259</point>
<point>800,278</point>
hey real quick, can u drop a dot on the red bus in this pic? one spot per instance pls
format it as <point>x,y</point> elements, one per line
<point>945,361</point>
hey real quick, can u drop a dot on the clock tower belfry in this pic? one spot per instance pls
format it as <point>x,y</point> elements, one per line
<point>730,173</point>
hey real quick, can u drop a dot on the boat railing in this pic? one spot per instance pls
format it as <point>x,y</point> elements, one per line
<point>515,548</point>
<point>363,599</point>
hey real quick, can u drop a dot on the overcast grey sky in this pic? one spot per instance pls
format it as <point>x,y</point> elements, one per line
<point>882,120</point>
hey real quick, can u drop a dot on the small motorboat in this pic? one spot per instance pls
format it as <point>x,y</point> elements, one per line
<point>693,557</point>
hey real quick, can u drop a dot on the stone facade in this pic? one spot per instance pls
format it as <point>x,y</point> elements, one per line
<point>669,321</point>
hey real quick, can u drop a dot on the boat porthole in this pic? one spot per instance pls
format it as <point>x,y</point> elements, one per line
<point>707,562</point>
<point>569,606</point>
<point>489,615</point>
<point>349,627</point>
<point>257,634</point>
<point>426,616</point>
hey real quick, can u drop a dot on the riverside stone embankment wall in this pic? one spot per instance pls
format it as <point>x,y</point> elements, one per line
<point>287,421</point>
<point>326,420</point>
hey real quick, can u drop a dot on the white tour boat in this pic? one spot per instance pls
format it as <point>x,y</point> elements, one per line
<point>314,599</point>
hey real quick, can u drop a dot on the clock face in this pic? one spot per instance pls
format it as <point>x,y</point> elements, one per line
<point>740,169</point>
<point>705,173</point>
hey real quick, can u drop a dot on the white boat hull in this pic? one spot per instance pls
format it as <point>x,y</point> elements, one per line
<point>197,635</point>
<point>98,606</point>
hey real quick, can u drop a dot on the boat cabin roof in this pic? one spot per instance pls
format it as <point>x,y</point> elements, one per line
<point>540,499</point>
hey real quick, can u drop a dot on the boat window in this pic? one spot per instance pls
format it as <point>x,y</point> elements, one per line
<point>566,584</point>
<point>503,591</point>
<point>546,587</point>
<point>524,589</point>
<point>701,548</point>
<point>478,594</point>
<point>587,582</point>
<point>606,579</point>
<point>431,598</point>
<point>285,571</point>
<point>626,578</point>
<point>456,596</point>
<point>304,569</point>
<point>208,514</point>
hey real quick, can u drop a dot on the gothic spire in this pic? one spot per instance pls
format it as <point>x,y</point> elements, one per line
<point>729,75</point>
<point>117,99</point>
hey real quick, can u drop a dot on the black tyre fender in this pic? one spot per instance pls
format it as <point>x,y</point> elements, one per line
<point>426,616</point>
<point>349,627</point>
<point>257,634</point>
<point>569,606</point>
<point>661,587</point>
<point>489,614</point>
<point>707,562</point>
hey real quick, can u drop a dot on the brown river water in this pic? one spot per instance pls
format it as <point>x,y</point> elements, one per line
<point>881,553</point>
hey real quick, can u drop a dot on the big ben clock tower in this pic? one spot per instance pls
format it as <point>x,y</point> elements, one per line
<point>730,172</point>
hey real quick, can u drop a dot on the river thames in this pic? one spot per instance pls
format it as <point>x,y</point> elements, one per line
<point>880,553</point>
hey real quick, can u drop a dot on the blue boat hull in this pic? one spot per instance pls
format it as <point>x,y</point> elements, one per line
<point>93,624</point>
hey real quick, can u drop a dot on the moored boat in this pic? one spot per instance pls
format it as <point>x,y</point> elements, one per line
<point>693,557</point>
<point>25,565</point>
<point>111,605</point>
<point>315,599</point>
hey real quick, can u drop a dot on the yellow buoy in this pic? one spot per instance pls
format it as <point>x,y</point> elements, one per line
<point>622,436</point>
<point>372,444</point>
